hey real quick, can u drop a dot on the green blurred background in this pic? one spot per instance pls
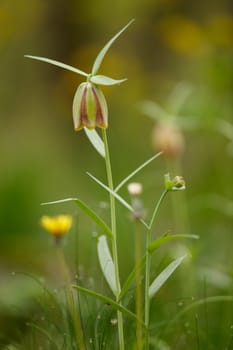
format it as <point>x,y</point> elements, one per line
<point>174,48</point>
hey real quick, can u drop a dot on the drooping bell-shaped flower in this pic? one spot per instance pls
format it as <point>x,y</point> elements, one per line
<point>89,107</point>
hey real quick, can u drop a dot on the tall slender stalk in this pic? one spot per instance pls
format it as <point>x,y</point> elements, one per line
<point>114,238</point>
<point>138,277</point>
<point>148,268</point>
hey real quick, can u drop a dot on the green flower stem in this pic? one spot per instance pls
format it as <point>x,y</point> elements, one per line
<point>114,239</point>
<point>138,279</point>
<point>148,267</point>
<point>73,309</point>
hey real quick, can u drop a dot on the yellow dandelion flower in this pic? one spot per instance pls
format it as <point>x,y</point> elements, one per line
<point>56,225</point>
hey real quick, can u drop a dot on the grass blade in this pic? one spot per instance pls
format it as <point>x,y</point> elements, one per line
<point>107,300</point>
<point>58,64</point>
<point>106,263</point>
<point>136,171</point>
<point>164,275</point>
<point>158,242</point>
<point>88,211</point>
<point>104,50</point>
<point>45,333</point>
<point>200,302</point>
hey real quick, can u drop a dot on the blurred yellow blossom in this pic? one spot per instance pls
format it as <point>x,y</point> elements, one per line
<point>220,30</point>
<point>184,35</point>
<point>56,225</point>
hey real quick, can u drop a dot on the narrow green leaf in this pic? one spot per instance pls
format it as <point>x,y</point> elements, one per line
<point>164,275</point>
<point>58,64</point>
<point>126,179</point>
<point>109,301</point>
<point>87,210</point>
<point>197,303</point>
<point>96,141</point>
<point>106,263</point>
<point>153,110</point>
<point>104,50</point>
<point>119,198</point>
<point>178,97</point>
<point>158,242</point>
<point>103,80</point>
<point>131,277</point>
<point>45,333</point>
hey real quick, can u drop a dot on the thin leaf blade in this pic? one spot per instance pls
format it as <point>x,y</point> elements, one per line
<point>104,50</point>
<point>107,300</point>
<point>164,275</point>
<point>153,110</point>
<point>140,167</point>
<point>104,80</point>
<point>158,242</point>
<point>88,211</point>
<point>96,141</point>
<point>106,263</point>
<point>119,198</point>
<point>58,64</point>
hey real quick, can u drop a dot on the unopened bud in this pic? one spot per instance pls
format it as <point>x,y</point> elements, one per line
<point>175,184</point>
<point>169,139</point>
<point>89,107</point>
<point>135,188</point>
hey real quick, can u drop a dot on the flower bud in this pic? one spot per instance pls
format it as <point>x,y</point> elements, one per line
<point>169,139</point>
<point>135,188</point>
<point>135,191</point>
<point>176,184</point>
<point>89,107</point>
